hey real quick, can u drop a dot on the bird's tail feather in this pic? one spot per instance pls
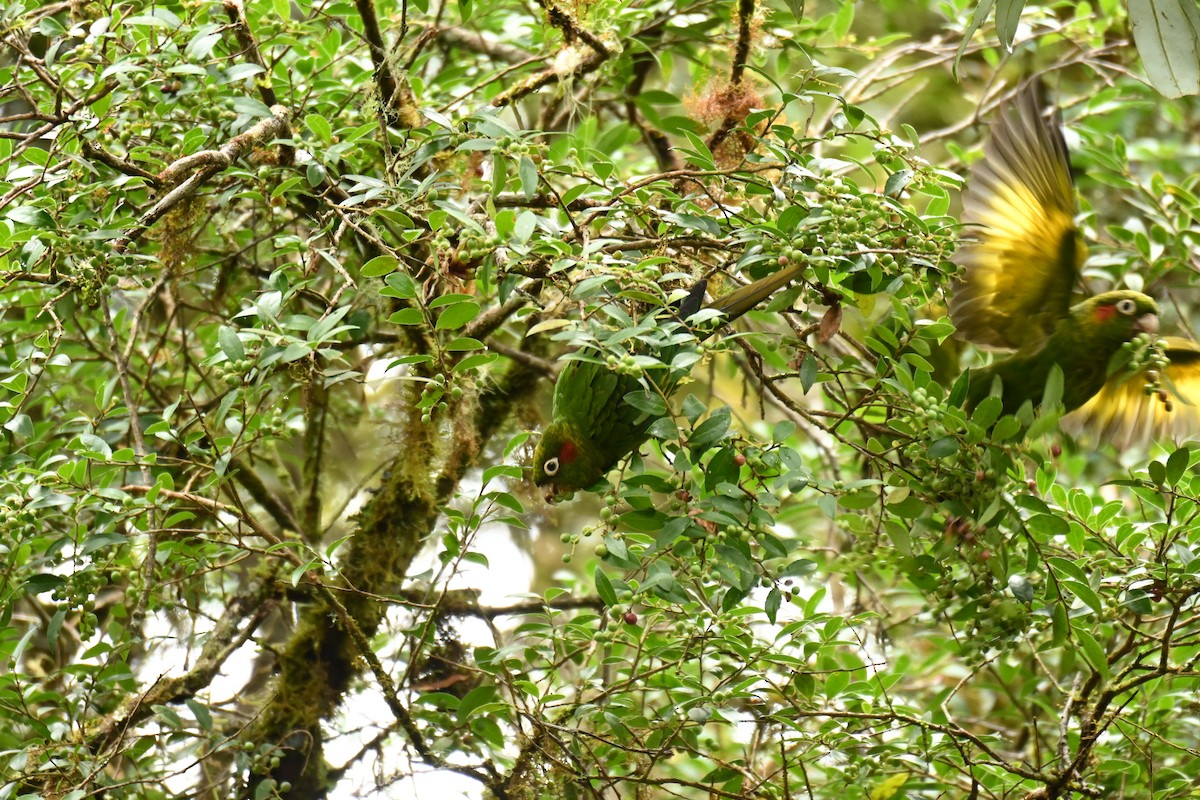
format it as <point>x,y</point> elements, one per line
<point>739,301</point>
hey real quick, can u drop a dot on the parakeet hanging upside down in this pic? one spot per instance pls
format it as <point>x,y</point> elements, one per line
<point>593,427</point>
<point>1018,277</point>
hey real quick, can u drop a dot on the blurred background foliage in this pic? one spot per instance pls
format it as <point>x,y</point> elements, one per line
<point>284,287</point>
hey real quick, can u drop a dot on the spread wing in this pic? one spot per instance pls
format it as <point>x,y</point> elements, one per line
<point>1019,272</point>
<point>1124,414</point>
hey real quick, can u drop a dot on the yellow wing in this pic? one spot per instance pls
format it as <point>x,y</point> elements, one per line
<point>1122,412</point>
<point>1019,271</point>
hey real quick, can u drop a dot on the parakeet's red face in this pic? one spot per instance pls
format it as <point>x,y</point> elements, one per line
<point>563,457</point>
<point>1119,316</point>
<point>561,462</point>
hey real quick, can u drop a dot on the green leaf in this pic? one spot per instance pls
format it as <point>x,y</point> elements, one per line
<point>17,384</point>
<point>958,393</point>
<point>44,582</point>
<point>1157,472</point>
<point>808,372</point>
<point>1049,525</point>
<point>1085,593</point>
<point>475,361</point>
<point>463,344</point>
<point>943,447</point>
<point>1008,16</point>
<point>320,126</point>
<point>799,568</point>
<point>457,315</point>
<point>1053,394</point>
<point>1167,36</point>
<point>399,285</point>
<point>835,684</point>
<point>782,431</point>
<point>382,265</point>
<point>988,411</point>
<point>200,47</point>
<point>1059,624</point>
<point>647,402</point>
<point>201,712</point>
<point>771,606</point>
<point>720,469</point>
<point>294,352</point>
<point>1177,464</point>
<point>525,225</point>
<point>30,215</point>
<point>693,408</point>
<point>1138,602</point>
<point>94,444</point>
<point>499,170</point>
<point>604,587</point>
<point>1093,653</point>
<point>230,344</point>
<point>978,17</point>
<point>407,316</point>
<point>897,182</point>
<point>1008,427</point>
<point>528,173</point>
<point>476,699</point>
<point>20,424</point>
<point>1068,568</point>
<point>711,430</point>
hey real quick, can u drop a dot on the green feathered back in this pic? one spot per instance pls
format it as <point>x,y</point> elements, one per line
<point>594,426</point>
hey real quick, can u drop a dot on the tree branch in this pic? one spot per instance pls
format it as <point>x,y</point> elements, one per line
<point>206,164</point>
<point>245,37</point>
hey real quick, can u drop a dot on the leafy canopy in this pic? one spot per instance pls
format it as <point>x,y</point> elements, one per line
<point>284,286</point>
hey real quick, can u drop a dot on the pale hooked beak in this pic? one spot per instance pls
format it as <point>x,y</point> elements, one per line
<point>552,494</point>
<point>1147,323</point>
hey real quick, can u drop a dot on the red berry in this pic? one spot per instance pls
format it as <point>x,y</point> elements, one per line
<point>631,618</point>
<point>1056,450</point>
<point>739,459</point>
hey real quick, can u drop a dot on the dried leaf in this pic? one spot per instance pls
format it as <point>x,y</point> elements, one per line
<point>831,323</point>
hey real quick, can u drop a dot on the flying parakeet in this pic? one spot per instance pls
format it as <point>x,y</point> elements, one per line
<point>594,427</point>
<point>1018,277</point>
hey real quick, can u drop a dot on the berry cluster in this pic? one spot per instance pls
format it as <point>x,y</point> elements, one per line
<point>433,394</point>
<point>972,592</point>
<point>946,465</point>
<point>78,592</point>
<point>1148,356</point>
<point>865,228</point>
<point>235,373</point>
<point>468,249</point>
<point>625,365</point>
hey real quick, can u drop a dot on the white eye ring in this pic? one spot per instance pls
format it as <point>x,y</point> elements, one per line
<point>551,466</point>
<point>1126,307</point>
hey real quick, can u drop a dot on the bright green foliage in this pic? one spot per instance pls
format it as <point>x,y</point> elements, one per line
<point>284,286</point>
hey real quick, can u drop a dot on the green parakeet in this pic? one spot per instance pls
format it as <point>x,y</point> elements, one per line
<point>1018,276</point>
<point>594,427</point>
